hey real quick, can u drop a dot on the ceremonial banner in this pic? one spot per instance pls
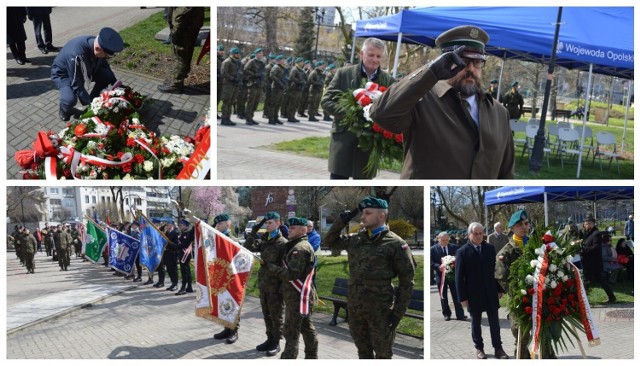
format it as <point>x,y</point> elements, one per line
<point>123,251</point>
<point>223,268</point>
<point>95,241</point>
<point>152,244</point>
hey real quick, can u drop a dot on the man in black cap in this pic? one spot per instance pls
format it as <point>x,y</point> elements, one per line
<point>186,23</point>
<point>513,101</point>
<point>591,256</point>
<point>442,104</point>
<point>83,60</point>
<point>376,257</point>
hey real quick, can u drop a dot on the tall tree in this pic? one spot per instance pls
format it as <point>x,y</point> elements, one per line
<point>304,45</point>
<point>25,204</point>
<point>206,202</point>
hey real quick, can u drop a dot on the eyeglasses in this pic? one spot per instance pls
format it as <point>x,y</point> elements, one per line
<point>478,64</point>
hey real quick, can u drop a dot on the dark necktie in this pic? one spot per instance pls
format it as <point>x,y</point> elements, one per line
<point>478,249</point>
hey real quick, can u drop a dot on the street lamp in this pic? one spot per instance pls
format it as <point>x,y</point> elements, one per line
<point>319,18</point>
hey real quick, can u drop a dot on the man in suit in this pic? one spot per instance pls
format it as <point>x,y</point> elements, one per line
<point>439,251</point>
<point>478,288</point>
<point>346,159</point>
<point>498,238</point>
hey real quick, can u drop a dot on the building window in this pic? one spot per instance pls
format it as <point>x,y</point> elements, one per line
<point>67,191</point>
<point>54,190</point>
<point>103,199</point>
<point>86,199</point>
<point>93,199</point>
<point>68,203</point>
<point>56,202</point>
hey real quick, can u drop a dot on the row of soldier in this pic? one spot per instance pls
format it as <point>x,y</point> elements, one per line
<point>286,85</point>
<point>59,241</point>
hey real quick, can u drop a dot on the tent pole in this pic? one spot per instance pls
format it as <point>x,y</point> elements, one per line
<point>546,211</point>
<point>353,48</point>
<point>397,55</point>
<point>626,115</point>
<point>504,57</point>
<point>584,119</point>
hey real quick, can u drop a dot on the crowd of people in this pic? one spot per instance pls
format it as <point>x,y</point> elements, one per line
<point>482,273</point>
<point>288,264</point>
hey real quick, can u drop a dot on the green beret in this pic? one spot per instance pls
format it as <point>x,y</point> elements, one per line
<point>515,83</point>
<point>279,57</point>
<point>257,50</point>
<point>220,48</point>
<point>307,62</point>
<point>319,63</point>
<point>494,81</point>
<point>517,217</point>
<point>272,216</point>
<point>466,35</point>
<point>331,66</point>
<point>372,202</point>
<point>299,59</point>
<point>289,59</point>
<point>253,55</point>
<point>234,51</point>
<point>220,218</point>
<point>297,221</point>
<point>272,55</point>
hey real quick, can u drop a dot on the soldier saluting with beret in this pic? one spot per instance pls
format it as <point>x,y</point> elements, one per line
<point>82,60</point>
<point>444,104</point>
<point>376,256</point>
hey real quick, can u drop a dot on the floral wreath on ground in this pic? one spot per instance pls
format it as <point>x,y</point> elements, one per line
<point>108,141</point>
<point>547,297</point>
<point>383,145</point>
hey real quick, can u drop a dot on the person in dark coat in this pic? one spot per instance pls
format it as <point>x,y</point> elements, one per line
<point>439,251</point>
<point>591,254</point>
<point>185,244</point>
<point>42,23</point>
<point>478,288</point>
<point>16,35</point>
<point>81,60</point>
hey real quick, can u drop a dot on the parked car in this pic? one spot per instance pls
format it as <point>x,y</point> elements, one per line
<point>251,224</point>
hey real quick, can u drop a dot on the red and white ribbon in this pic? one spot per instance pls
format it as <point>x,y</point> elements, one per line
<point>145,146</point>
<point>538,300</point>
<point>585,310</point>
<point>304,288</point>
<point>442,279</point>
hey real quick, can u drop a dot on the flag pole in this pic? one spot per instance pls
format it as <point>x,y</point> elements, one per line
<point>152,225</point>
<point>233,241</point>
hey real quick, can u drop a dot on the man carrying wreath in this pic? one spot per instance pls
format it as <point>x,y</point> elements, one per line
<point>439,251</point>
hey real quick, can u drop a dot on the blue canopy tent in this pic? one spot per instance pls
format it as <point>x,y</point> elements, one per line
<point>545,194</point>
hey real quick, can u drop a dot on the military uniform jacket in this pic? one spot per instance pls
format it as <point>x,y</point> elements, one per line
<point>376,261</point>
<point>63,240</point>
<point>299,261</point>
<point>271,251</point>
<point>254,72</point>
<point>185,240</point>
<point>77,64</point>
<point>510,252</point>
<point>276,77</point>
<point>514,103</point>
<point>316,79</point>
<point>28,243</point>
<point>432,118</point>
<point>297,79</point>
<point>327,79</point>
<point>231,71</point>
<point>345,158</point>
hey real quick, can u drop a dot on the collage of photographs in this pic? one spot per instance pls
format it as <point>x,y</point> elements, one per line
<point>296,225</point>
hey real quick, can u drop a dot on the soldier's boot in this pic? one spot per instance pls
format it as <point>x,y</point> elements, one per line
<point>301,114</point>
<point>233,337</point>
<point>276,120</point>
<point>189,288</point>
<point>65,267</point>
<point>327,119</point>
<point>318,114</point>
<point>262,347</point>
<point>226,332</point>
<point>313,119</point>
<point>273,348</point>
<point>272,121</point>
<point>291,119</point>
<point>227,122</point>
<point>172,87</point>
<point>251,122</point>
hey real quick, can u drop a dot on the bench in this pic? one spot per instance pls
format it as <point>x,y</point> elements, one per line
<point>341,288</point>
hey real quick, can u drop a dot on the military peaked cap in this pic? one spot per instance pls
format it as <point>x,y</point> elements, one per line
<point>517,217</point>
<point>372,202</point>
<point>110,41</point>
<point>474,38</point>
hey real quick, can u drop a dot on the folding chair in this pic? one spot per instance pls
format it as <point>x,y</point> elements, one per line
<point>533,122</point>
<point>567,139</point>
<point>588,140</point>
<point>518,127</point>
<point>604,139</point>
<point>532,131</point>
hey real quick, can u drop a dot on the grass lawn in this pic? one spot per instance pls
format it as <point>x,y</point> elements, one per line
<point>330,268</point>
<point>145,55</point>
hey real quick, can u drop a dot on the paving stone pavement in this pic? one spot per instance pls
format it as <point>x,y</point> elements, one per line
<point>32,100</point>
<point>244,153</point>
<point>452,339</point>
<point>137,322</point>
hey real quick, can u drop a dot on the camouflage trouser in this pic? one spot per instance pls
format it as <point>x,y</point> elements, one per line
<point>253,99</point>
<point>229,93</point>
<point>284,103</point>
<point>303,101</point>
<point>292,106</point>
<point>369,310</point>
<point>47,247</point>
<point>547,349</point>
<point>242,100</point>
<point>219,93</point>
<point>268,108</point>
<point>19,252</point>
<point>183,40</point>
<point>272,305</point>
<point>294,325</point>
<point>63,257</point>
<point>28,261</point>
<point>276,100</point>
<point>314,102</point>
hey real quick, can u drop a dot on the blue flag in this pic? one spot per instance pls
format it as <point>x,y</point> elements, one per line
<point>123,251</point>
<point>152,244</point>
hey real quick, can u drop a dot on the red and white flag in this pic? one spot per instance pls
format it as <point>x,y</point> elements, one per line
<point>223,268</point>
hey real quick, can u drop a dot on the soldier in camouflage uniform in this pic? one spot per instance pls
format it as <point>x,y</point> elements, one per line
<point>520,225</point>
<point>231,79</point>
<point>186,22</point>
<point>278,81</point>
<point>63,242</point>
<point>297,81</point>
<point>272,249</point>
<point>316,84</point>
<point>17,233</point>
<point>376,256</point>
<point>243,92</point>
<point>284,105</point>
<point>222,223</point>
<point>304,97</point>
<point>266,90</point>
<point>28,247</point>
<point>330,72</point>
<point>254,73</point>
<point>298,291</point>
<point>77,242</point>
<point>219,76</point>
